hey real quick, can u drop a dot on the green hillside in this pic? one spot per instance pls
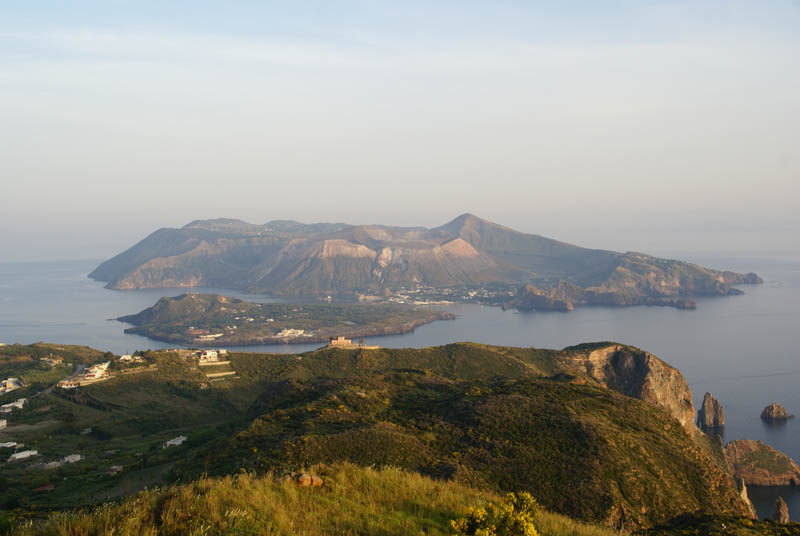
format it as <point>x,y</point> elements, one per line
<point>580,450</point>
<point>496,419</point>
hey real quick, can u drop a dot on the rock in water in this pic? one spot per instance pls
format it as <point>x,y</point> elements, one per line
<point>781,513</point>
<point>775,412</point>
<point>711,414</point>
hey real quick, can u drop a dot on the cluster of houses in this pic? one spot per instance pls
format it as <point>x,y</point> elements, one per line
<point>10,384</point>
<point>11,406</point>
<point>128,358</point>
<point>98,371</point>
<point>93,374</point>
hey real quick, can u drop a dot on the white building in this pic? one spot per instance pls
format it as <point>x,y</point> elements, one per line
<point>8,445</point>
<point>177,441</point>
<point>72,458</point>
<point>11,384</point>
<point>209,356</point>
<point>96,372</point>
<point>209,337</point>
<point>128,358</point>
<point>287,332</point>
<point>23,455</point>
<point>3,424</point>
<point>11,406</point>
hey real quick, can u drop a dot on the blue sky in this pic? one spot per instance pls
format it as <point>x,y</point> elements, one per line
<point>571,119</point>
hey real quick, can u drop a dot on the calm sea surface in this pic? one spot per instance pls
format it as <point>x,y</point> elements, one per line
<point>742,349</point>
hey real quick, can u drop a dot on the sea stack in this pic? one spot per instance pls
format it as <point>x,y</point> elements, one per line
<point>711,415</point>
<point>775,412</point>
<point>781,513</point>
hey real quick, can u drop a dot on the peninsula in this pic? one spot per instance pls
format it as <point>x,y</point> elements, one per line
<point>212,320</point>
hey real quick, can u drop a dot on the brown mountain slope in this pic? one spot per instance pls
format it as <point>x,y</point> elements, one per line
<point>290,258</point>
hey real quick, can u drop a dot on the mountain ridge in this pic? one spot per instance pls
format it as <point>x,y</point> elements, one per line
<point>289,258</point>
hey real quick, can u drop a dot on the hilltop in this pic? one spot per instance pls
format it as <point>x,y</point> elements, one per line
<point>600,432</point>
<point>353,500</point>
<point>212,319</point>
<point>468,253</point>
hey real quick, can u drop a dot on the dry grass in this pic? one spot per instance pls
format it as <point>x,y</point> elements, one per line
<point>354,500</point>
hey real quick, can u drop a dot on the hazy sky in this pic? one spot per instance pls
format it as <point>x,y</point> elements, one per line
<point>650,125</point>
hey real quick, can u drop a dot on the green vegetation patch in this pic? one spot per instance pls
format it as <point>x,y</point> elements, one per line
<point>773,461</point>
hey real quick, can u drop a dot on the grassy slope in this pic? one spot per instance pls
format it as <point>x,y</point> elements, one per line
<point>353,500</point>
<point>484,415</point>
<point>578,449</point>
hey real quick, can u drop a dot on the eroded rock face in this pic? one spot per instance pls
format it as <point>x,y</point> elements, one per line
<point>637,374</point>
<point>775,412</point>
<point>761,465</point>
<point>742,488</point>
<point>711,414</point>
<point>781,513</point>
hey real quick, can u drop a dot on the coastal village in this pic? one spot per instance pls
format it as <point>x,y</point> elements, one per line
<point>211,367</point>
<point>19,455</point>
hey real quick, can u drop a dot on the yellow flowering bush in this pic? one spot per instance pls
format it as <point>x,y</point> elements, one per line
<point>514,516</point>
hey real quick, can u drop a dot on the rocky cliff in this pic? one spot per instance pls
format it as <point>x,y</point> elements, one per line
<point>711,414</point>
<point>761,465</point>
<point>635,373</point>
<point>742,487</point>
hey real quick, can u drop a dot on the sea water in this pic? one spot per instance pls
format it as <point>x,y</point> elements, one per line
<point>745,350</point>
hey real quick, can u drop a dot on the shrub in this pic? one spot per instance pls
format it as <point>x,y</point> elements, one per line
<point>515,515</point>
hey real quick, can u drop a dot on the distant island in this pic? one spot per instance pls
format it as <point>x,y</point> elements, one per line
<point>213,320</point>
<point>466,260</point>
